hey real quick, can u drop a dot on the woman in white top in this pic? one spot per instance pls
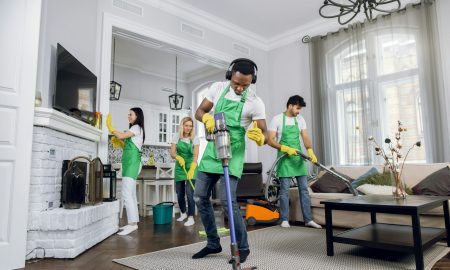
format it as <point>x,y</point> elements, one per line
<point>185,150</point>
<point>131,141</point>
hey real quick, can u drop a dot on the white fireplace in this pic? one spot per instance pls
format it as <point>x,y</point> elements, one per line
<point>53,231</point>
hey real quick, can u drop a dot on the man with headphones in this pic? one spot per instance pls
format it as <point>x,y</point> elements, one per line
<point>243,109</point>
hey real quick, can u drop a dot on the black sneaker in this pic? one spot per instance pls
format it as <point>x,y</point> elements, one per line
<point>243,254</point>
<point>206,251</point>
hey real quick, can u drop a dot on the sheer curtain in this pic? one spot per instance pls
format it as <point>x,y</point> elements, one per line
<point>368,76</point>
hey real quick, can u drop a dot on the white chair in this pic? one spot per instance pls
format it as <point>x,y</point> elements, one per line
<point>162,189</point>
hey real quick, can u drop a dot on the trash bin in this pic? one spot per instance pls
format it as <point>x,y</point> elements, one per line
<point>162,213</point>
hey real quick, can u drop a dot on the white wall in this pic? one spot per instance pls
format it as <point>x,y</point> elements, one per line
<point>73,24</point>
<point>288,76</point>
<point>145,87</point>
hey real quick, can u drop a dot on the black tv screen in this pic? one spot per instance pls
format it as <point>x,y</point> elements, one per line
<point>76,86</point>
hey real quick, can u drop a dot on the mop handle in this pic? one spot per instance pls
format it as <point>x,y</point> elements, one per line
<point>190,180</point>
<point>349,185</point>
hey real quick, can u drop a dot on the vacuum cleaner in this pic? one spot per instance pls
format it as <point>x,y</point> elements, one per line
<point>267,211</point>
<point>223,152</point>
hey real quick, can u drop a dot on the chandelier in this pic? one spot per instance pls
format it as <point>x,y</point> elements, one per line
<point>346,10</point>
<point>176,100</point>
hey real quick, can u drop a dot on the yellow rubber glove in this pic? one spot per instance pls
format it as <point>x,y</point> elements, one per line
<point>311,155</point>
<point>288,150</point>
<point>116,143</point>
<point>208,120</point>
<point>190,174</point>
<point>111,129</point>
<point>255,133</point>
<point>180,160</point>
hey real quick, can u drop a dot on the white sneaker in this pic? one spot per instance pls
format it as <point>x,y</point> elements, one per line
<point>127,230</point>
<point>124,227</point>
<point>189,222</point>
<point>182,217</point>
<point>285,224</point>
<point>313,225</point>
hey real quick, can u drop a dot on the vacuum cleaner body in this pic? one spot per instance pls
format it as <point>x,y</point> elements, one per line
<point>261,212</point>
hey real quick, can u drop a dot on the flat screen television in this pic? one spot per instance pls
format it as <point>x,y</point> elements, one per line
<point>76,87</point>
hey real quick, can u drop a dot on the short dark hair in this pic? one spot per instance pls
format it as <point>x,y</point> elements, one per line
<point>244,67</point>
<point>296,100</point>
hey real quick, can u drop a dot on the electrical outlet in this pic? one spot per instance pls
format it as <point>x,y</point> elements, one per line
<point>50,205</point>
<point>52,153</point>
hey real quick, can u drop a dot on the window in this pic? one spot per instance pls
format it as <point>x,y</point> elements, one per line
<point>375,82</point>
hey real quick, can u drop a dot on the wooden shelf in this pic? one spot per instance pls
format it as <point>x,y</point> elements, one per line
<point>389,236</point>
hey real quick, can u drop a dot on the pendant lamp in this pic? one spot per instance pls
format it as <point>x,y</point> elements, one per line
<point>114,87</point>
<point>176,100</point>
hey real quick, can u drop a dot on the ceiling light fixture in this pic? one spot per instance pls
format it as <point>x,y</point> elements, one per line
<point>348,9</point>
<point>114,87</point>
<point>176,100</point>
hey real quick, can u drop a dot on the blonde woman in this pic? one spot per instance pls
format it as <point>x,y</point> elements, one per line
<point>185,150</point>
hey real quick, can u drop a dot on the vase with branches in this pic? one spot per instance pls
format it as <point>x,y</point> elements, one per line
<point>394,159</point>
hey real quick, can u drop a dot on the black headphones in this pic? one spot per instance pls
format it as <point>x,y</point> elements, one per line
<point>228,74</point>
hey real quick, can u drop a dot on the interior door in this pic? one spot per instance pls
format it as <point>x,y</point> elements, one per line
<point>19,34</point>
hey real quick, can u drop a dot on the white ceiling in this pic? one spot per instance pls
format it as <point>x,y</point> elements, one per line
<point>155,59</point>
<point>266,18</point>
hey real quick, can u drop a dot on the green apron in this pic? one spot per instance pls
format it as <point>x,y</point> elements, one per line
<point>233,111</point>
<point>131,159</point>
<point>290,166</point>
<point>186,151</point>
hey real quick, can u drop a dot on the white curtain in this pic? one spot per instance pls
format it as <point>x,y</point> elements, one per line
<point>368,76</point>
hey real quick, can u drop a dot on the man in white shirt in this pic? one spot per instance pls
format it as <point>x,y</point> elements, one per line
<point>241,107</point>
<point>284,134</point>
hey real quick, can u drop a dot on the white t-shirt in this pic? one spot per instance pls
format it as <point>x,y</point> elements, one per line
<point>176,137</point>
<point>277,124</point>
<point>138,138</point>
<point>254,108</point>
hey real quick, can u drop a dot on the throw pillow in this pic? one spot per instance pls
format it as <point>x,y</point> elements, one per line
<point>381,179</point>
<point>370,189</point>
<point>329,183</point>
<point>437,183</point>
<point>370,172</point>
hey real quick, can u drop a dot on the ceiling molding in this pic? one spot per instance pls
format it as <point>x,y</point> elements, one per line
<point>313,28</point>
<point>189,78</point>
<point>205,19</point>
<point>171,78</point>
<point>202,73</point>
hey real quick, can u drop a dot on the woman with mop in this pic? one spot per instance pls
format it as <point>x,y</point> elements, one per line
<point>131,141</point>
<point>184,150</point>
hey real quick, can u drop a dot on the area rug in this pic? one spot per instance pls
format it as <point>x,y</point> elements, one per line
<point>285,249</point>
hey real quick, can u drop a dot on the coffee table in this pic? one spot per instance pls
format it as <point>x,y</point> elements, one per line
<point>396,237</point>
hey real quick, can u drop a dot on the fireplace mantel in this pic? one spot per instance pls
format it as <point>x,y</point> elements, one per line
<point>51,118</point>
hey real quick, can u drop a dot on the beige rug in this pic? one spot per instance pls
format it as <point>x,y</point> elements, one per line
<point>285,249</point>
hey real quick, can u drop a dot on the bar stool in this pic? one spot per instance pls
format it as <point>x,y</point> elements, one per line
<point>163,186</point>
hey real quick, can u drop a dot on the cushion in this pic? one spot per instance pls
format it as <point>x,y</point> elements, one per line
<point>437,183</point>
<point>379,179</point>
<point>329,183</point>
<point>370,189</point>
<point>382,179</point>
<point>370,172</point>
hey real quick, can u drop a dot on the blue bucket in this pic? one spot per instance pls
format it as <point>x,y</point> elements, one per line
<point>162,213</point>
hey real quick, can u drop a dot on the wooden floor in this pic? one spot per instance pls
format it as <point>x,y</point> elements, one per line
<point>148,238</point>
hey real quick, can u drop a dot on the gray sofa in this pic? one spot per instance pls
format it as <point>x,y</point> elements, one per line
<point>413,174</point>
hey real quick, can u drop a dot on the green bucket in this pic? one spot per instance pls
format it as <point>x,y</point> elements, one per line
<point>162,213</point>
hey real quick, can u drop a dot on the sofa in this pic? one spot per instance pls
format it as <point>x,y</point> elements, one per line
<point>413,174</point>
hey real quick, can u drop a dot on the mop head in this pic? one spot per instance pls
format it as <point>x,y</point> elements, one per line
<point>220,231</point>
